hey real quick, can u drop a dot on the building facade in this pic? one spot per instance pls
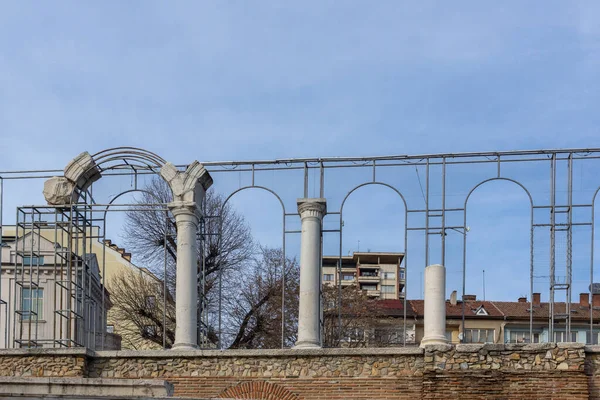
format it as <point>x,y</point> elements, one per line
<point>50,300</point>
<point>379,275</point>
<point>509,321</point>
<point>106,260</point>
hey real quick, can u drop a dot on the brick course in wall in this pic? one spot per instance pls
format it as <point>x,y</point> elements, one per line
<point>535,371</point>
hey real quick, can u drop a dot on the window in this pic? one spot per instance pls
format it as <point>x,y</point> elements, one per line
<point>449,336</point>
<point>110,328</point>
<point>32,303</point>
<point>479,336</point>
<point>348,277</point>
<point>149,330</point>
<point>388,288</point>
<point>562,337</point>
<point>595,337</point>
<point>402,274</point>
<point>368,273</point>
<point>523,337</point>
<point>33,260</point>
<point>150,302</point>
<point>327,277</point>
<point>369,287</point>
<point>389,275</point>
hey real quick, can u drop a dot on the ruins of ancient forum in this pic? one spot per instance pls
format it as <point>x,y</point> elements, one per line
<point>325,326</point>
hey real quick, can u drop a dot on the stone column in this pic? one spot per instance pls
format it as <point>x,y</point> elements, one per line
<point>435,306</point>
<point>189,189</point>
<point>186,299</point>
<point>309,330</point>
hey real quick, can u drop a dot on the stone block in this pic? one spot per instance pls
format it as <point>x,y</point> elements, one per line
<point>58,190</point>
<point>83,171</point>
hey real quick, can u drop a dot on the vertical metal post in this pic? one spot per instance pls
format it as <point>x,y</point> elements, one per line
<point>322,183</point>
<point>569,243</point>
<point>464,274</point>
<point>591,295</point>
<point>339,294</point>
<point>305,180</point>
<point>443,211</point>
<point>552,246</point>
<point>283,280</point>
<point>531,272</point>
<point>165,279</point>
<point>427,214</point>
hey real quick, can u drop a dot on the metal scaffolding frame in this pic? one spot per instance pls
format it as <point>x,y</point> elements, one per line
<point>552,218</point>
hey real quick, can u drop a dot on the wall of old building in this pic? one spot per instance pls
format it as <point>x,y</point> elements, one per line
<point>496,371</point>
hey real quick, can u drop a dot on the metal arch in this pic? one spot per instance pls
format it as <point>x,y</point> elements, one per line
<point>499,179</point>
<point>282,263</point>
<point>127,192</point>
<point>375,183</point>
<point>464,258</point>
<point>252,187</point>
<point>133,150</point>
<point>104,258</point>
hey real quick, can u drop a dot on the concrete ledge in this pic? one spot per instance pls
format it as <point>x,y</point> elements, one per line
<point>84,387</point>
<point>390,351</point>
<point>592,349</point>
<point>76,351</point>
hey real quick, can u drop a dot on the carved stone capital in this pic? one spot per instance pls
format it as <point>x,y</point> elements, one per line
<point>58,190</point>
<point>184,211</point>
<point>189,185</point>
<point>82,170</point>
<point>312,208</point>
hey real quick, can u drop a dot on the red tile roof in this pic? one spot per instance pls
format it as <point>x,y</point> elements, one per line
<point>512,310</point>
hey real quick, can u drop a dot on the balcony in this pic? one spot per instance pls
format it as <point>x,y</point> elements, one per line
<point>368,279</point>
<point>373,293</point>
<point>348,282</point>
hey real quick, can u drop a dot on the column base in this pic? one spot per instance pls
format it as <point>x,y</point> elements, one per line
<point>433,340</point>
<point>307,345</point>
<point>185,346</point>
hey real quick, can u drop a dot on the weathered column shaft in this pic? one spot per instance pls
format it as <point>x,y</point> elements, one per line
<point>311,214</point>
<point>435,305</point>
<point>187,276</point>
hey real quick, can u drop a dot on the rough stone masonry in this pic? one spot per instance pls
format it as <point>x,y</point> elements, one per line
<point>531,371</point>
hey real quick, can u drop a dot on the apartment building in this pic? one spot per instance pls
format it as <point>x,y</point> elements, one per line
<point>380,274</point>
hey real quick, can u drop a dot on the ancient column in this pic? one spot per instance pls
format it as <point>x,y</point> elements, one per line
<point>187,275</point>
<point>311,214</point>
<point>189,189</point>
<point>435,306</point>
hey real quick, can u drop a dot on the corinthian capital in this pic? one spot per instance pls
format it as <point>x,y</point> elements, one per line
<point>188,186</point>
<point>312,208</point>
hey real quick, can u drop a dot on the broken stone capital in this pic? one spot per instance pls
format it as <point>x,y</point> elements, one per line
<point>58,190</point>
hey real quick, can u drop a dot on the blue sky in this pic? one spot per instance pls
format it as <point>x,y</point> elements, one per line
<point>229,80</point>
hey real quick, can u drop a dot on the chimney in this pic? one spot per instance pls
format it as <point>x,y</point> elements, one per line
<point>453,298</point>
<point>584,300</point>
<point>522,299</point>
<point>536,300</point>
<point>469,297</point>
<point>596,300</point>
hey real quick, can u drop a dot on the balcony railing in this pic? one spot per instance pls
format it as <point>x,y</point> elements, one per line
<point>368,278</point>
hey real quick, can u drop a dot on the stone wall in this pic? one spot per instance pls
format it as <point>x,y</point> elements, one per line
<point>535,371</point>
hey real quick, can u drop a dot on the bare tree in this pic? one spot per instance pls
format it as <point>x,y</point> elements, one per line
<point>256,307</point>
<point>249,276</point>
<point>358,315</point>
<point>140,315</point>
